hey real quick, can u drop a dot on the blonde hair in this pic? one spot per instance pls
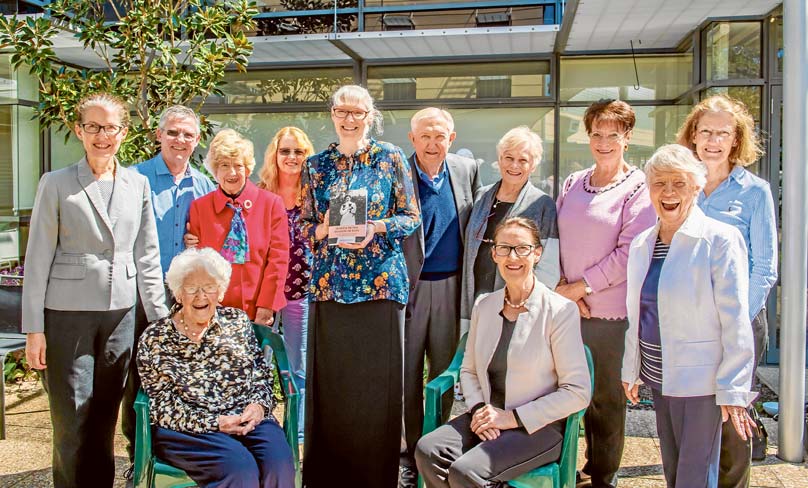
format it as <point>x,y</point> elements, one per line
<point>747,149</point>
<point>269,172</point>
<point>679,159</point>
<point>105,100</point>
<point>357,95</point>
<point>229,144</point>
<point>521,136</point>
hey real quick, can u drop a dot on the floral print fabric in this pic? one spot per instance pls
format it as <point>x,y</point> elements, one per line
<point>236,248</point>
<point>190,385</point>
<point>377,272</point>
<point>297,279</point>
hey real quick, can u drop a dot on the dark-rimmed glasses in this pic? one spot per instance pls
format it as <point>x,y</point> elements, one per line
<point>93,128</point>
<point>341,113</point>
<point>521,250</point>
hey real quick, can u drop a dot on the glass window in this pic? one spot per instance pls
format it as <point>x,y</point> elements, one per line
<point>282,86</point>
<point>478,131</point>
<point>593,78</point>
<point>64,152</point>
<point>733,50</point>
<point>655,126</point>
<point>6,160</point>
<point>777,41</point>
<point>19,163</point>
<point>460,81</point>
<point>750,96</point>
<point>16,85</point>
<point>451,19</point>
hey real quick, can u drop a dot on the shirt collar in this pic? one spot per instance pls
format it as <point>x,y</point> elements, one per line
<point>162,167</point>
<point>246,199</point>
<point>426,178</point>
<point>738,173</point>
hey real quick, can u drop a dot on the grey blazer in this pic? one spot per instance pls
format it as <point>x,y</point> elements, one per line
<point>79,258</point>
<point>465,180</point>
<point>531,203</point>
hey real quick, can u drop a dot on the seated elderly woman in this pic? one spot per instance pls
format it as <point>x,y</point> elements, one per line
<point>689,336</point>
<point>524,373</point>
<point>210,390</point>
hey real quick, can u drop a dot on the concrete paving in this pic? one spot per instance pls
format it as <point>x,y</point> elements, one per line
<point>25,455</point>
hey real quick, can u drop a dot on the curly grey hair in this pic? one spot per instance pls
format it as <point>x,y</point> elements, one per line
<point>205,259</point>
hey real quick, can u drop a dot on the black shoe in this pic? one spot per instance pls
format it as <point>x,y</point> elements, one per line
<point>407,477</point>
<point>129,472</point>
<point>582,479</point>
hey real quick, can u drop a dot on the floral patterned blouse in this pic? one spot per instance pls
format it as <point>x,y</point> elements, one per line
<point>377,272</point>
<point>299,274</point>
<point>190,385</point>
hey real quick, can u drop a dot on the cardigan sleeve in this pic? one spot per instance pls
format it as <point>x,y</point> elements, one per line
<point>406,217</point>
<point>472,390</point>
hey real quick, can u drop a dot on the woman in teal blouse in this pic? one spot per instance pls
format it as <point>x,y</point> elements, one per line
<point>360,290</point>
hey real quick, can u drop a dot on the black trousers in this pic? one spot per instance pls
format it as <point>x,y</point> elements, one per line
<point>88,357</point>
<point>736,453</point>
<point>605,418</point>
<point>354,394</point>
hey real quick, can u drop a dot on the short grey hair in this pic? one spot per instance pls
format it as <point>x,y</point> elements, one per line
<point>679,159</point>
<point>206,259</point>
<point>519,136</point>
<point>357,95</point>
<point>178,112</point>
<point>432,113</point>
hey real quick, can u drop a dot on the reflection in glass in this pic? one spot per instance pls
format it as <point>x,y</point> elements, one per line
<point>283,86</point>
<point>733,50</point>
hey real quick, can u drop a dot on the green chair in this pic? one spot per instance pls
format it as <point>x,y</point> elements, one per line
<point>560,474</point>
<point>151,472</point>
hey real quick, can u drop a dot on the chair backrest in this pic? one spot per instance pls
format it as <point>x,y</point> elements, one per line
<point>569,449</point>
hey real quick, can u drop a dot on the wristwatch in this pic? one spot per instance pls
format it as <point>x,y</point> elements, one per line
<point>587,289</point>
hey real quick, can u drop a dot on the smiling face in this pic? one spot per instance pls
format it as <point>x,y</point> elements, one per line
<point>672,194</point>
<point>101,145</point>
<point>431,139</point>
<point>354,127</point>
<point>290,156</point>
<point>607,142</point>
<point>516,164</point>
<point>714,138</point>
<point>178,139</point>
<point>514,268</point>
<point>231,174</point>
<point>199,307</point>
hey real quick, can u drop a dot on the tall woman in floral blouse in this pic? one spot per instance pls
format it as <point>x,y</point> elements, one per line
<point>359,292</point>
<point>281,174</point>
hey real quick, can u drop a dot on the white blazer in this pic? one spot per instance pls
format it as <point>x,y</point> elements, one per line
<point>707,342</point>
<point>547,377</point>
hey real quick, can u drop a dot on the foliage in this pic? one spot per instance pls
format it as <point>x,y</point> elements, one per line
<point>311,23</point>
<point>152,53</point>
<point>15,369</point>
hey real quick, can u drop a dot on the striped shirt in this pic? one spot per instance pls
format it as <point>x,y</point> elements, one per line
<point>650,340</point>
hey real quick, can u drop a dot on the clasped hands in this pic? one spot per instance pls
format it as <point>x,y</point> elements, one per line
<point>488,422</point>
<point>243,424</point>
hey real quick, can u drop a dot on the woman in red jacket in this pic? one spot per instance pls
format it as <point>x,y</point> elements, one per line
<point>247,226</point>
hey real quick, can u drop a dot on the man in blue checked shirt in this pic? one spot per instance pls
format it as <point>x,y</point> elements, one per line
<point>174,185</point>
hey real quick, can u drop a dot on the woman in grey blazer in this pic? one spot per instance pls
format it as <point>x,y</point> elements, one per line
<point>91,247</point>
<point>518,155</point>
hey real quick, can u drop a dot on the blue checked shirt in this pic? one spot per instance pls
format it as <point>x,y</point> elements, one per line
<point>745,201</point>
<point>171,202</point>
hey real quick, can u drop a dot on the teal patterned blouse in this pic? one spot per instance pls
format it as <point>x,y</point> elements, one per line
<point>377,272</point>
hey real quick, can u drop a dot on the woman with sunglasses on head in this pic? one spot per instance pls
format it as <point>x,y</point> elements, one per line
<point>519,153</point>
<point>92,247</point>
<point>524,372</point>
<point>359,293</point>
<point>721,133</point>
<point>600,210</point>
<point>284,160</point>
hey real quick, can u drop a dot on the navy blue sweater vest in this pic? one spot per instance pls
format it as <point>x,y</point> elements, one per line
<point>443,250</point>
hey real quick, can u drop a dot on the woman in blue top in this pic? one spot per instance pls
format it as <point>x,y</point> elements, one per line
<point>721,133</point>
<point>359,292</point>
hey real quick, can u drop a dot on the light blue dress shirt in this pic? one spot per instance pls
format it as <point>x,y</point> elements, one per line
<point>745,201</point>
<point>171,202</point>
<point>436,183</point>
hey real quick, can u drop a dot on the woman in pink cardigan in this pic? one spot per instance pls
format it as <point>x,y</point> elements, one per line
<point>600,210</point>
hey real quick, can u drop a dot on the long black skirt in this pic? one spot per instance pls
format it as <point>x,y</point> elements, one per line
<point>354,394</point>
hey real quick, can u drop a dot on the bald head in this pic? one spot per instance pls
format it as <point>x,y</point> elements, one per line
<point>431,134</point>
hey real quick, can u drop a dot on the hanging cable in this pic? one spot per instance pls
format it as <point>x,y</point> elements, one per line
<point>634,58</point>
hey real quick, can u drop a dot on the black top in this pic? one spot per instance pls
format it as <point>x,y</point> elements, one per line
<point>485,270</point>
<point>498,367</point>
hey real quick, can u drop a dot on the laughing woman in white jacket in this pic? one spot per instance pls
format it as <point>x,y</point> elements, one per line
<point>689,336</point>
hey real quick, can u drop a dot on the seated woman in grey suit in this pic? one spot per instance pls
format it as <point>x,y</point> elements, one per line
<point>518,155</point>
<point>524,372</point>
<point>689,337</point>
<point>91,247</point>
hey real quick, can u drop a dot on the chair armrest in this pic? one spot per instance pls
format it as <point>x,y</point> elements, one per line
<point>435,389</point>
<point>144,462</point>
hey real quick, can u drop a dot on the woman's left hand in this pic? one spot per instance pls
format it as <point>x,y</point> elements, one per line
<point>252,416</point>
<point>572,291</point>
<point>370,231</point>
<point>491,417</point>
<point>744,424</point>
<point>264,316</point>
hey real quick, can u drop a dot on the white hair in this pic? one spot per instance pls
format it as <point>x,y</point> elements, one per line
<point>190,260</point>
<point>679,159</point>
<point>522,136</point>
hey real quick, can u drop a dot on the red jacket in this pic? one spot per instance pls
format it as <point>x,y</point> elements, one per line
<point>258,282</point>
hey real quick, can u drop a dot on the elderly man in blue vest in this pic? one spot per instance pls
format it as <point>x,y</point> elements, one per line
<point>445,185</point>
<point>174,185</point>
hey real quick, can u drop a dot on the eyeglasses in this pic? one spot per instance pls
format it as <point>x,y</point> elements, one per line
<point>286,152</point>
<point>613,137</point>
<point>206,289</point>
<point>356,114</point>
<point>708,134</point>
<point>93,128</point>
<point>227,166</point>
<point>521,250</point>
<point>175,134</point>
